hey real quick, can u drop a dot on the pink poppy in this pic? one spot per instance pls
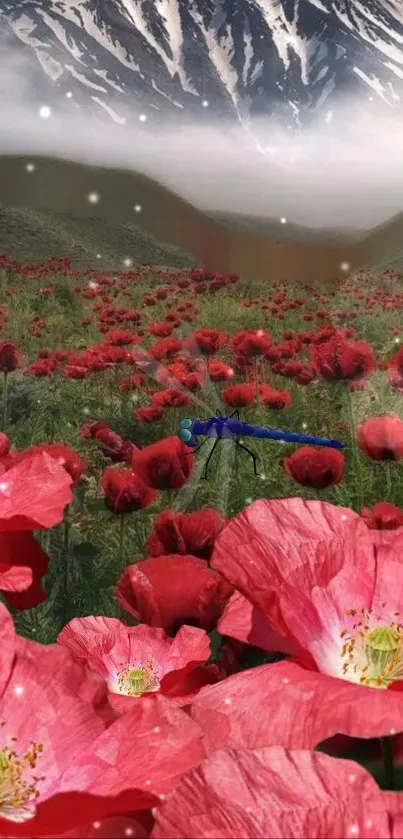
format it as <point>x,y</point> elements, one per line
<point>33,495</point>
<point>328,584</point>
<point>242,621</point>
<point>277,793</point>
<point>60,765</point>
<point>136,660</point>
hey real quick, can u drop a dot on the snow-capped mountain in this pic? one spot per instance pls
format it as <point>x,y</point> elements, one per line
<point>159,59</point>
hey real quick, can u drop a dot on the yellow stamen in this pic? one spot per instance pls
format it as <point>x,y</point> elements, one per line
<point>374,653</point>
<point>138,680</point>
<point>18,793</point>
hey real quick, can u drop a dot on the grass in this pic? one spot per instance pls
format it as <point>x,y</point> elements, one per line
<point>54,409</point>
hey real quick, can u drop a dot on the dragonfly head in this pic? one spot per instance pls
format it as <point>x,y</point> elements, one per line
<point>185,433</point>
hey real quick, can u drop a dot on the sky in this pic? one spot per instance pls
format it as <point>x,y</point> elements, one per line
<point>345,169</point>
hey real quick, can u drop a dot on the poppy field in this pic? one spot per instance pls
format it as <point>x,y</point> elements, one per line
<point>190,656</point>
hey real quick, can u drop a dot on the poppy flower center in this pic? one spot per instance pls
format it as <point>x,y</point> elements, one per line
<point>373,656</point>
<point>18,785</point>
<point>138,680</point>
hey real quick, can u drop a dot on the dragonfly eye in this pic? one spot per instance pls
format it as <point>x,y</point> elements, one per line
<point>185,423</point>
<point>185,435</point>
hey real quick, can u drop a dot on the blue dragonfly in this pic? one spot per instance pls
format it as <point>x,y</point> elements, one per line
<point>228,428</point>
<point>219,427</point>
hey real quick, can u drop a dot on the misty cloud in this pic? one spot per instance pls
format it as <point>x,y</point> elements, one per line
<point>344,169</point>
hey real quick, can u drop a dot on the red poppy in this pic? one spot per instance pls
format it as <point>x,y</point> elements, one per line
<point>337,359</point>
<point>152,413</point>
<point>219,372</point>
<point>207,341</point>
<point>185,533</point>
<point>238,396</point>
<point>160,330</point>
<point>166,348</point>
<point>124,491</point>
<point>4,444</point>
<point>112,444</point>
<point>136,826</point>
<point>274,399</point>
<point>383,516</point>
<point>9,357</point>
<point>170,591</point>
<point>381,438</point>
<point>72,463</point>
<point>251,343</point>
<point>315,467</point>
<point>171,399</point>
<point>166,464</point>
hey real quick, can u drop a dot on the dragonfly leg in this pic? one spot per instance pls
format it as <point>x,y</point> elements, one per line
<point>204,475</point>
<point>234,414</point>
<point>253,456</point>
<point>198,448</point>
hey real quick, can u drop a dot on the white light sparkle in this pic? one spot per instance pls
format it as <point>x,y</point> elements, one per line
<point>44,112</point>
<point>93,197</point>
<point>19,690</point>
<point>137,208</point>
<point>283,220</point>
<point>127,262</point>
<point>30,167</point>
<point>143,118</point>
<point>345,266</point>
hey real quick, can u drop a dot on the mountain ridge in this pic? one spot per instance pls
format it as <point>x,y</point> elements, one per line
<point>175,59</point>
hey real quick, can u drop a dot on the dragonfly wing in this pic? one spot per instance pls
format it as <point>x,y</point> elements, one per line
<point>184,497</point>
<point>225,474</point>
<point>148,365</point>
<point>210,390</point>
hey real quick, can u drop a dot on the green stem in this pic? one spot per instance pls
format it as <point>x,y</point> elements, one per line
<point>139,537</point>
<point>5,394</point>
<point>170,499</point>
<point>354,449</point>
<point>121,539</point>
<point>256,373</point>
<point>388,479</point>
<point>388,762</point>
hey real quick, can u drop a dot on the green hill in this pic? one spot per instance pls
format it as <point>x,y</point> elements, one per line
<point>45,210</point>
<point>273,229</point>
<point>33,234</point>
